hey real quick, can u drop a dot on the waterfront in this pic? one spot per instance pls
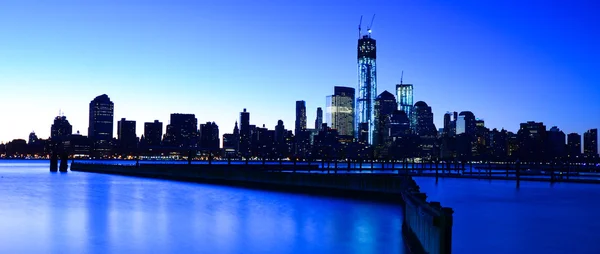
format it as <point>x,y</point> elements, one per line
<point>83,212</point>
<point>538,217</point>
<point>43,212</point>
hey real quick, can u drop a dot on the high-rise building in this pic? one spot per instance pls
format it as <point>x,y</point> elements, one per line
<point>101,124</point>
<point>385,105</point>
<point>532,139</point>
<point>153,132</point>
<point>367,89</point>
<point>126,134</point>
<point>573,145</point>
<point>182,131</point>
<point>340,110</point>
<point>398,126</point>
<point>209,136</point>
<point>590,143</point>
<point>244,147</point>
<point>300,117</point>
<point>424,120</point>
<point>404,94</point>
<point>32,138</point>
<point>319,120</point>
<point>447,123</point>
<point>466,123</point>
<point>556,144</point>
<point>61,128</point>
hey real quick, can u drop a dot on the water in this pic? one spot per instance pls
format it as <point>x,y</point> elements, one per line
<point>538,217</point>
<point>75,212</point>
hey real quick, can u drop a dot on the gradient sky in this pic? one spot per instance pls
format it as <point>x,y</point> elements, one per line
<point>506,61</point>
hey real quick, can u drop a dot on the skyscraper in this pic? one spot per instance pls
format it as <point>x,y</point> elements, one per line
<point>244,147</point>
<point>404,94</point>
<point>60,129</point>
<point>101,125</point>
<point>209,136</point>
<point>300,117</point>
<point>126,134</point>
<point>319,120</point>
<point>424,120</point>
<point>590,143</point>
<point>367,89</point>
<point>153,132</point>
<point>556,144</point>
<point>182,131</point>
<point>385,105</point>
<point>447,122</point>
<point>340,110</point>
<point>573,145</point>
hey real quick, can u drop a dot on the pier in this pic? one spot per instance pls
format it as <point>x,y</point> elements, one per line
<point>426,228</point>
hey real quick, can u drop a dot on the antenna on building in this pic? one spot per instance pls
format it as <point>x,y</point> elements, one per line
<point>370,25</point>
<point>401,77</point>
<point>359,24</point>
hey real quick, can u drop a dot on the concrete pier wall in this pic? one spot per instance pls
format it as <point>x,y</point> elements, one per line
<point>427,227</point>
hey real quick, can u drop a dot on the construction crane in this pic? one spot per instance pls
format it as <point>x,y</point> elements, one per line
<point>359,24</point>
<point>371,25</point>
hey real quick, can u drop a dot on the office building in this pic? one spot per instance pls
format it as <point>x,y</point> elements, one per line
<point>404,94</point>
<point>101,124</point>
<point>574,145</point>
<point>590,143</point>
<point>182,131</point>
<point>319,119</point>
<point>61,128</point>
<point>385,105</point>
<point>340,110</point>
<point>209,136</point>
<point>244,147</point>
<point>126,134</point>
<point>300,117</point>
<point>367,89</point>
<point>153,132</point>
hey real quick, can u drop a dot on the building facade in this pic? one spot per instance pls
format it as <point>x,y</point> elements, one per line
<point>367,89</point>
<point>101,124</point>
<point>340,110</point>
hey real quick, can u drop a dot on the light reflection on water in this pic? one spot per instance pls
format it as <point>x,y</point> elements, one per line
<point>43,212</point>
<point>538,217</point>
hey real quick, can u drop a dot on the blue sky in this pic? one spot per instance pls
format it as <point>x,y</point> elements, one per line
<point>506,61</point>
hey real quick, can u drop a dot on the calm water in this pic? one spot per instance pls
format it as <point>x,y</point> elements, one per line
<point>496,217</point>
<point>43,212</point>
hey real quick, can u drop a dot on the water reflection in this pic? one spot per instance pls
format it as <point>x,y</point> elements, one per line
<point>531,217</point>
<point>42,212</point>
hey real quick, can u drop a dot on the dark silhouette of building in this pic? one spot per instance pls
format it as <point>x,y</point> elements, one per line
<point>556,144</point>
<point>424,120</point>
<point>367,89</point>
<point>466,123</point>
<point>209,136</point>
<point>17,148</point>
<point>447,123</point>
<point>300,117</point>
<point>574,145</point>
<point>126,134</point>
<point>182,131</point>
<point>77,145</point>
<point>101,124</point>
<point>60,128</point>
<point>398,125</point>
<point>319,120</point>
<point>590,143</point>
<point>244,147</point>
<point>532,141</point>
<point>340,110</point>
<point>153,132</point>
<point>498,145</point>
<point>385,105</point>
<point>404,94</point>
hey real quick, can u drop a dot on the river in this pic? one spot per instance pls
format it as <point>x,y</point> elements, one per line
<point>75,212</point>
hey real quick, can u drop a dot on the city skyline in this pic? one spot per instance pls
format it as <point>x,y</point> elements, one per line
<point>72,81</point>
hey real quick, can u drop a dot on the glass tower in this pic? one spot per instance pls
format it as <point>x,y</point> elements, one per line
<point>367,90</point>
<point>404,93</point>
<point>340,110</point>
